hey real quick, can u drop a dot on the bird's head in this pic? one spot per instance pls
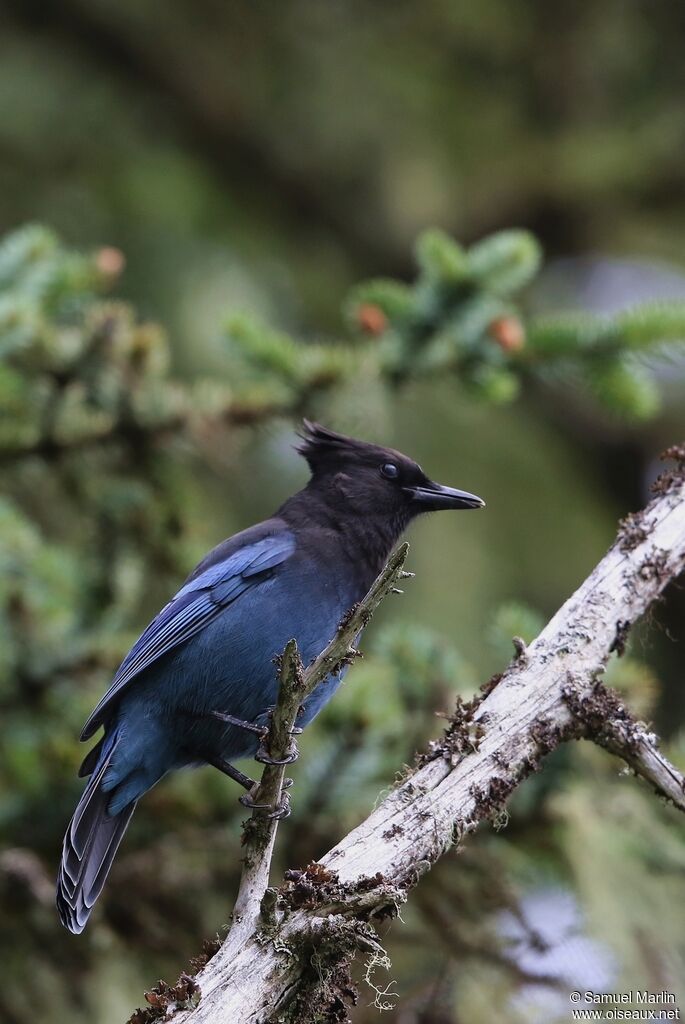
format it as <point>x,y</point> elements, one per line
<point>368,480</point>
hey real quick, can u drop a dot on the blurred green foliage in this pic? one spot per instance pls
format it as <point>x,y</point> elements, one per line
<point>105,451</point>
<point>75,370</point>
<point>463,316</point>
<point>263,158</point>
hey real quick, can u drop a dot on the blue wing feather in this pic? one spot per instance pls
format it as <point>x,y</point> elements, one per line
<point>196,604</point>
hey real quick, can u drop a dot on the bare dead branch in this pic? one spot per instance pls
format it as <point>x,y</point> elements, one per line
<point>549,694</point>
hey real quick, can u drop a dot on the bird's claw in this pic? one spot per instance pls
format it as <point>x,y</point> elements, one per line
<point>247,801</point>
<point>264,757</point>
<point>282,810</point>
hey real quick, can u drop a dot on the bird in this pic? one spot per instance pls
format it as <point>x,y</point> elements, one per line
<point>197,686</point>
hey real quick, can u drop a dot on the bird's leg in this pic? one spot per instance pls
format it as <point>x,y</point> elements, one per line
<point>260,730</point>
<point>233,773</point>
<point>226,768</point>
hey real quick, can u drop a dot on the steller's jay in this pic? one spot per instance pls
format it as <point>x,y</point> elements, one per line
<point>211,649</point>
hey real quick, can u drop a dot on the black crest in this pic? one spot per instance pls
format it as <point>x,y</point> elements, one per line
<point>321,446</point>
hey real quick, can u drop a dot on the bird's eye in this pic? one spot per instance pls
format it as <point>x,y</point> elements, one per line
<point>390,471</point>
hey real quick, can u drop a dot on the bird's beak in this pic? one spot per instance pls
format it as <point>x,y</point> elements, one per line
<point>435,497</point>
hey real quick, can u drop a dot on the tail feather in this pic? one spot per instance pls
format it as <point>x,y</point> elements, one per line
<point>81,823</point>
<point>90,843</point>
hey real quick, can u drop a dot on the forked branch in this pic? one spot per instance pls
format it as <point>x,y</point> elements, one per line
<point>296,684</point>
<point>550,693</point>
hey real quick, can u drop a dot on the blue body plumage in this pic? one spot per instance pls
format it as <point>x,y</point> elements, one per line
<point>212,647</point>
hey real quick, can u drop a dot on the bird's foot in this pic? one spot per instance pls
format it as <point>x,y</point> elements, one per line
<point>264,757</point>
<point>282,809</point>
<point>263,754</point>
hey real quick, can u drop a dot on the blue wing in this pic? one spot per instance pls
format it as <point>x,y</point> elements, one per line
<point>213,586</point>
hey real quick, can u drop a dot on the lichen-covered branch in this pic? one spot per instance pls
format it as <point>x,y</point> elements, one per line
<point>550,693</point>
<point>602,716</point>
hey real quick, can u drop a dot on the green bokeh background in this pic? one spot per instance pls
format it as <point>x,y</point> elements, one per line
<point>265,157</point>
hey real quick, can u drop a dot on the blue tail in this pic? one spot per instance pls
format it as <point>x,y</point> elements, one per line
<point>91,840</point>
